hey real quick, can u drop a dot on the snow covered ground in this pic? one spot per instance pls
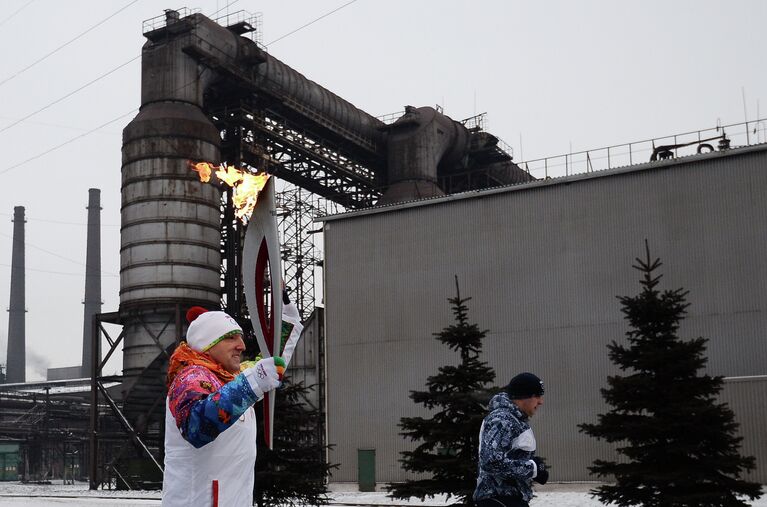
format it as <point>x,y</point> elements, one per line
<point>28,495</point>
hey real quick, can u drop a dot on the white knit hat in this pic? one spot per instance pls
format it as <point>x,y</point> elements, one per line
<point>209,328</point>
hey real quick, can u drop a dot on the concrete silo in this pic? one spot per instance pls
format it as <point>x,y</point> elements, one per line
<point>170,237</point>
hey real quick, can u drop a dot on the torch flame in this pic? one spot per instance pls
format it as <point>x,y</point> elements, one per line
<point>204,169</point>
<point>245,185</point>
<point>246,193</point>
<point>229,175</point>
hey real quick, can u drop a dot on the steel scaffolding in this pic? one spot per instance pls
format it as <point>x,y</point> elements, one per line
<point>301,253</point>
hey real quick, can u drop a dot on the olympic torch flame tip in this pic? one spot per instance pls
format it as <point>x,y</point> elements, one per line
<point>229,175</point>
<point>245,185</point>
<point>246,193</point>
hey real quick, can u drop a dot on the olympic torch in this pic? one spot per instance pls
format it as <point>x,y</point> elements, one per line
<point>261,255</point>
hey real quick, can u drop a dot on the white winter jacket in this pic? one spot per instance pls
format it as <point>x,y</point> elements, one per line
<point>229,459</point>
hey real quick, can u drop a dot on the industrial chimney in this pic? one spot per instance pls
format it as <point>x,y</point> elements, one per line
<point>15,370</point>
<point>92,300</point>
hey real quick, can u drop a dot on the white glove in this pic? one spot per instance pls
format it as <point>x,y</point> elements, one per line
<point>291,323</point>
<point>263,376</point>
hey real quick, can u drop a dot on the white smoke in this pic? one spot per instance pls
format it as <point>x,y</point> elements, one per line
<point>37,366</point>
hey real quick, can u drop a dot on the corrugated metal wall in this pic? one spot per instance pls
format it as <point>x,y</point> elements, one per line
<point>543,263</point>
<point>746,397</point>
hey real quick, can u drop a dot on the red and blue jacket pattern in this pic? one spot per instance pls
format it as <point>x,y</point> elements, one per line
<point>203,406</point>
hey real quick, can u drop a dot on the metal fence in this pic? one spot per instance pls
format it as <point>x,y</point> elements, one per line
<point>720,137</point>
<point>245,23</point>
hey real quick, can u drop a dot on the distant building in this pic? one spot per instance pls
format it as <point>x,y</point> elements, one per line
<point>65,373</point>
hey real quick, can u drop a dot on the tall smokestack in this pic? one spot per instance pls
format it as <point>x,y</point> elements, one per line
<point>92,277</point>
<point>15,370</point>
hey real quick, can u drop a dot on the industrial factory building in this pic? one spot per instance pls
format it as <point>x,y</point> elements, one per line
<point>543,263</point>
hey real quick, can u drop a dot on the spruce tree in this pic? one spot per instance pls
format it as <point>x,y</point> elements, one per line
<point>679,444</point>
<point>449,438</point>
<point>295,471</point>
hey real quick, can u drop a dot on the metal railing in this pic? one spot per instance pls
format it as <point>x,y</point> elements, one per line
<point>476,122</point>
<point>170,16</point>
<point>679,145</point>
<point>505,147</point>
<point>254,20</point>
<point>390,118</point>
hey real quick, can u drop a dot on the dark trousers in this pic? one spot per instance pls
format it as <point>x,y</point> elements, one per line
<point>502,501</point>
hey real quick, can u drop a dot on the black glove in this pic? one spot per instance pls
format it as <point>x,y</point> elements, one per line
<point>543,474</point>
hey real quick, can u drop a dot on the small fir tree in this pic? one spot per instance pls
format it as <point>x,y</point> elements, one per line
<point>448,451</point>
<point>679,444</point>
<point>295,471</point>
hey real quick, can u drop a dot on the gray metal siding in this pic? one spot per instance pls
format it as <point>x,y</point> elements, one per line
<point>543,264</point>
<point>746,397</point>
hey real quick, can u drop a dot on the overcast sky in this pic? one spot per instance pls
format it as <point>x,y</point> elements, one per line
<point>553,76</point>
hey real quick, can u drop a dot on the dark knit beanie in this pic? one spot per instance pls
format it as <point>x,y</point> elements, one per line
<point>524,385</point>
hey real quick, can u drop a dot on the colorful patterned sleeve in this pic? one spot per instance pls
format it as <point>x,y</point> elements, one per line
<point>203,407</point>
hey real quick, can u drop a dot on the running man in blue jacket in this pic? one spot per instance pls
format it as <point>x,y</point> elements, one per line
<point>507,460</point>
